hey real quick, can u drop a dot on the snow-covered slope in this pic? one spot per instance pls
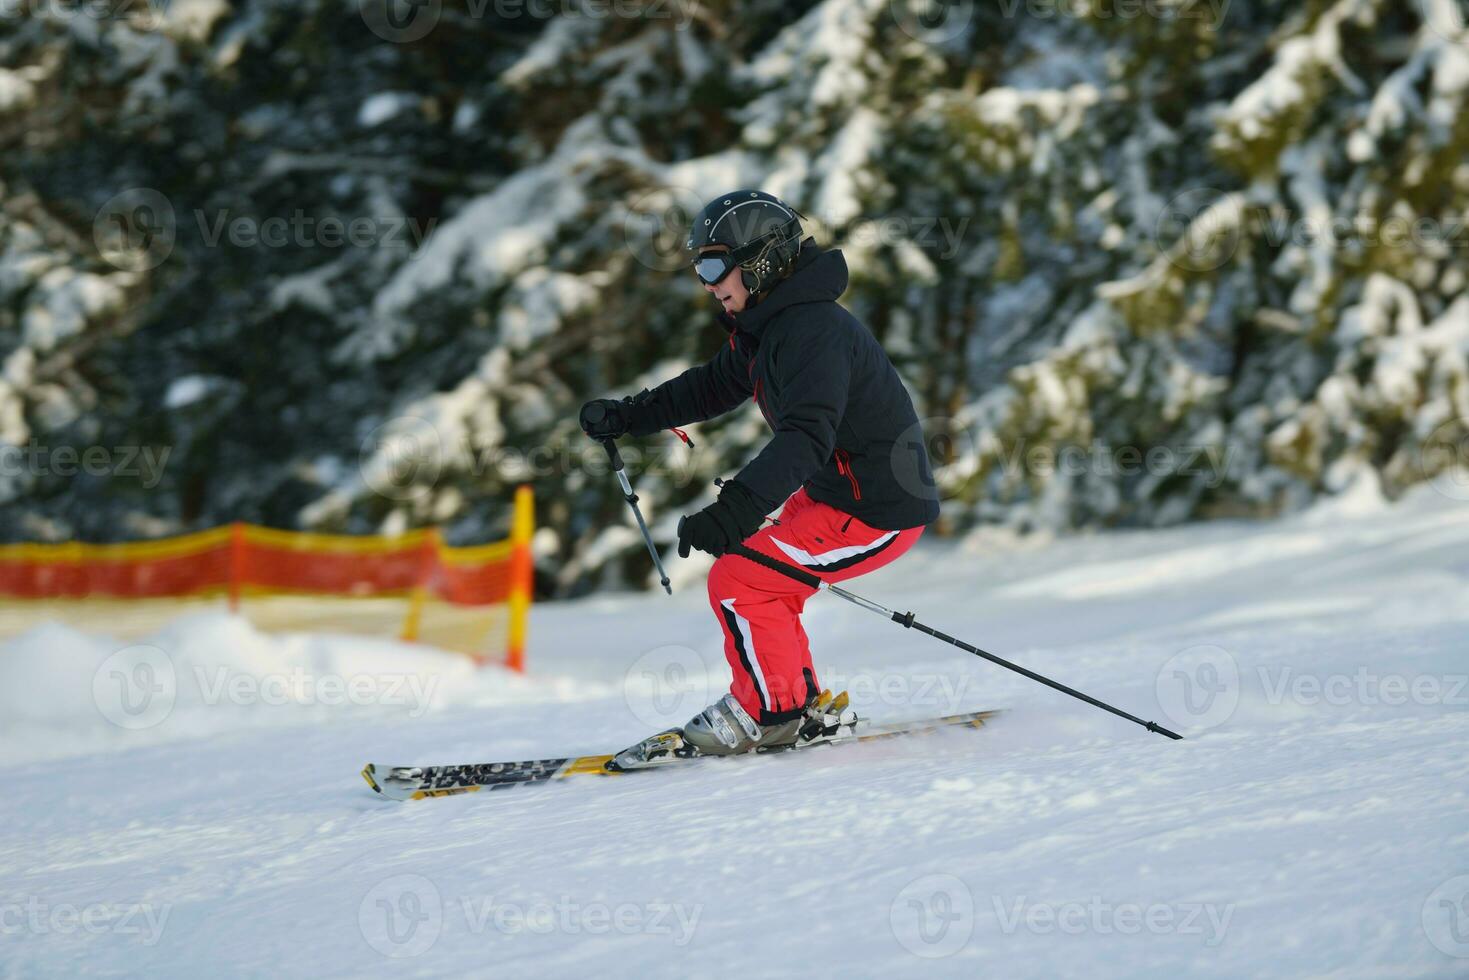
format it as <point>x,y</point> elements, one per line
<point>1316,820</point>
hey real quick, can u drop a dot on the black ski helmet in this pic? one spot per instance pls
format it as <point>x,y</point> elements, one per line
<point>763,235</point>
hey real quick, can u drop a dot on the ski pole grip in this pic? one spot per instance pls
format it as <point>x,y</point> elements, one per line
<point>776,565</point>
<point>611,446</point>
<point>592,413</point>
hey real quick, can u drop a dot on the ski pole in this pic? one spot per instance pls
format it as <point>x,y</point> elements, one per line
<point>907,620</point>
<point>632,501</point>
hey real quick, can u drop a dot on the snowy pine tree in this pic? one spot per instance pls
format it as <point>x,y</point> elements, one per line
<point>1135,270</point>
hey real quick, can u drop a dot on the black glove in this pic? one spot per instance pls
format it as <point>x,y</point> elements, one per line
<point>723,524</point>
<point>604,418</point>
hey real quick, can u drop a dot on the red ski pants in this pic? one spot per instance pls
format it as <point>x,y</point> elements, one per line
<point>760,610</point>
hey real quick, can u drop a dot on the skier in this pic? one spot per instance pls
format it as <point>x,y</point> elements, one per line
<point>847,460</point>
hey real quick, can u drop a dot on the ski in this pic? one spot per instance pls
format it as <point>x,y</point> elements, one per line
<point>424,782</point>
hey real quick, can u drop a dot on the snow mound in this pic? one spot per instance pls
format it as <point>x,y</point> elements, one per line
<point>65,691</point>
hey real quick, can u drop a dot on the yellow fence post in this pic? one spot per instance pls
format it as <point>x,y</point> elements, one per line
<point>237,563</point>
<point>431,544</point>
<point>522,575</point>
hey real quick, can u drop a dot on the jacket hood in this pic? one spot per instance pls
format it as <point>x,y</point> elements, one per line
<point>820,276</point>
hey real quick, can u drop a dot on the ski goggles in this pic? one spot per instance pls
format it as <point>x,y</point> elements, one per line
<point>713,267</point>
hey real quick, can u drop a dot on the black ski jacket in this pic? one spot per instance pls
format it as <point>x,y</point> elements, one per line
<point>844,425</point>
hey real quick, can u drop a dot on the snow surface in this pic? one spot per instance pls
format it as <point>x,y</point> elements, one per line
<point>1315,821</point>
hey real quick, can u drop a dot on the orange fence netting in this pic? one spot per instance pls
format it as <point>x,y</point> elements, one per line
<point>289,579</point>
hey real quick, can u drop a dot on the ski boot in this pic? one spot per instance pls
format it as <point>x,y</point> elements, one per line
<point>726,728</point>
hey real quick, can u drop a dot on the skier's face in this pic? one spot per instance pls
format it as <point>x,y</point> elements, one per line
<point>730,291</point>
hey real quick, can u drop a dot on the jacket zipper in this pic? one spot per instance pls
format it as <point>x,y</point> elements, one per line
<point>844,467</point>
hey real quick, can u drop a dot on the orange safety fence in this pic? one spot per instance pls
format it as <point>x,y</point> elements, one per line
<point>446,595</point>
